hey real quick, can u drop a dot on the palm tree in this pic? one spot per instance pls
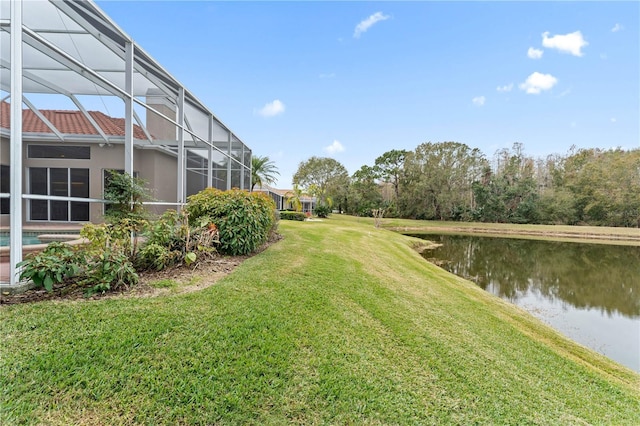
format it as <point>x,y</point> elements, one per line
<point>263,171</point>
<point>294,198</point>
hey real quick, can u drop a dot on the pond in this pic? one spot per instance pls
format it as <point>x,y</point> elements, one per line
<point>589,292</point>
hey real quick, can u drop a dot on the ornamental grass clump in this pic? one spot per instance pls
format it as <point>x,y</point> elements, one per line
<point>244,220</point>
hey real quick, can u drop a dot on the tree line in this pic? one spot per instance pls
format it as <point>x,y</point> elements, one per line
<point>451,181</point>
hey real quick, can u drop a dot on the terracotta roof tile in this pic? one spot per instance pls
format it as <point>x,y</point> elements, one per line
<point>68,122</point>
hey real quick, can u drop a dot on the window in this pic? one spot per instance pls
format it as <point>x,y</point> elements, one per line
<point>59,182</point>
<point>62,151</point>
<point>5,187</point>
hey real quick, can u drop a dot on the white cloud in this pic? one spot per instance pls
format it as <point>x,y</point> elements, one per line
<point>617,27</point>
<point>478,100</point>
<point>537,82</point>
<point>613,119</point>
<point>568,43</point>
<point>505,88</point>
<point>335,147</point>
<point>534,53</point>
<point>363,26</point>
<point>272,109</point>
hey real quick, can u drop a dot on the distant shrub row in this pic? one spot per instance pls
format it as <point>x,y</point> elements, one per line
<point>287,215</point>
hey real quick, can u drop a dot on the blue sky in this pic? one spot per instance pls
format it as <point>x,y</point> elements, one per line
<point>352,80</point>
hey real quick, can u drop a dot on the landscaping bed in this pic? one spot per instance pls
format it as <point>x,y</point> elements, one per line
<point>179,279</point>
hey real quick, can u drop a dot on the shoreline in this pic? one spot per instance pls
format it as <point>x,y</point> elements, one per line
<point>512,231</point>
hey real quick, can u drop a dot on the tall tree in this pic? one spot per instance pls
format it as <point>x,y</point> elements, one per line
<point>436,181</point>
<point>327,178</point>
<point>605,186</point>
<point>509,193</point>
<point>364,193</point>
<point>263,171</point>
<point>389,166</point>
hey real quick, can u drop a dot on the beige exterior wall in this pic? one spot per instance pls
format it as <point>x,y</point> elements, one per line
<point>5,151</point>
<point>158,168</point>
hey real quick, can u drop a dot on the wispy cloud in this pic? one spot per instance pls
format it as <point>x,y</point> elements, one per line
<point>568,43</point>
<point>617,27</point>
<point>364,25</point>
<point>478,100</point>
<point>538,82</point>
<point>613,119</point>
<point>328,75</point>
<point>272,109</point>
<point>335,147</point>
<point>534,53</point>
<point>505,88</point>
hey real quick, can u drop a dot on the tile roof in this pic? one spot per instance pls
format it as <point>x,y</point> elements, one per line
<point>68,122</point>
<point>286,193</point>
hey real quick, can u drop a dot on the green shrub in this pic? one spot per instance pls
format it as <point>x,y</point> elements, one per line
<point>244,219</point>
<point>322,211</point>
<point>170,240</point>
<point>156,256</point>
<point>110,270</point>
<point>288,215</point>
<point>110,253</point>
<point>53,265</point>
<point>122,234</point>
<point>125,194</point>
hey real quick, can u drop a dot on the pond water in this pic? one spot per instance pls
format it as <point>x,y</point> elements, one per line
<point>589,292</point>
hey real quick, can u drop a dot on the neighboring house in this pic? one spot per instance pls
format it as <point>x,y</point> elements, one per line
<point>282,198</point>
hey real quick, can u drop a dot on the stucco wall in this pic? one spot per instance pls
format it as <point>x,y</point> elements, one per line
<point>158,168</point>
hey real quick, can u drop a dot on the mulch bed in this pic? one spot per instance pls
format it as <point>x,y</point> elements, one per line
<point>205,272</point>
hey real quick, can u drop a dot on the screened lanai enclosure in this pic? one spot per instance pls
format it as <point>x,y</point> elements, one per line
<point>78,98</point>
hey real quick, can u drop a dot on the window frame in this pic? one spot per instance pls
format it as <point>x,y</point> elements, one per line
<point>5,203</point>
<point>71,206</point>
<point>58,147</point>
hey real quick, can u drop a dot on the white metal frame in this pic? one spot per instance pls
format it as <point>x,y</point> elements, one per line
<point>138,71</point>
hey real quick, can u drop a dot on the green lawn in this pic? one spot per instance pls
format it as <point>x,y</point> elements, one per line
<point>339,323</point>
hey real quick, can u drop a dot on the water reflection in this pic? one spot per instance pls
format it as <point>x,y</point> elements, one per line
<point>583,275</point>
<point>590,292</point>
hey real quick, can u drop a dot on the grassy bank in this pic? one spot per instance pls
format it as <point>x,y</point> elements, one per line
<point>339,323</point>
<point>591,234</point>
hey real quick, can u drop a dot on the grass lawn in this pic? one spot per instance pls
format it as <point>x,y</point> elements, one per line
<point>339,323</point>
